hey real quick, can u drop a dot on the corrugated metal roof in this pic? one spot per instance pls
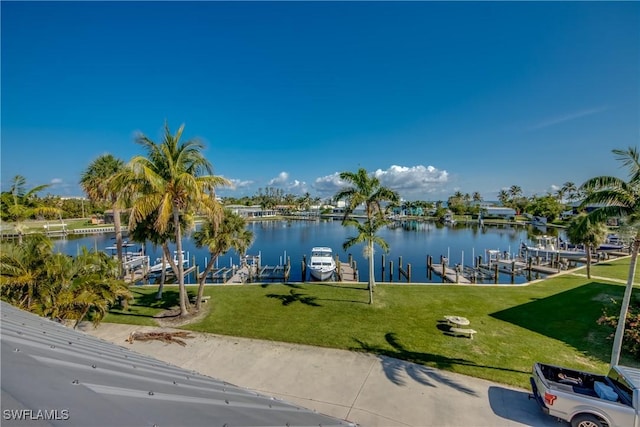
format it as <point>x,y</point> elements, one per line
<point>632,375</point>
<point>56,376</point>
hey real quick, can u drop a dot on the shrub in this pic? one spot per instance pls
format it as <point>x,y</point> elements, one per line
<point>631,341</point>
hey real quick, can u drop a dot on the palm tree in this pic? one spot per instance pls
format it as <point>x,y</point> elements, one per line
<point>366,190</point>
<point>619,198</point>
<point>175,179</point>
<point>86,284</point>
<point>219,238</point>
<point>503,197</point>
<point>583,231</point>
<point>515,191</point>
<point>97,181</point>
<point>23,268</point>
<point>570,190</point>
<point>144,231</point>
<point>476,196</point>
<point>23,204</point>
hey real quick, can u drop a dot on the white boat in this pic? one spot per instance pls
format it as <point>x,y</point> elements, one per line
<point>612,243</point>
<point>545,247</point>
<point>322,265</point>
<point>131,258</point>
<point>159,265</point>
<point>448,219</point>
<point>503,262</point>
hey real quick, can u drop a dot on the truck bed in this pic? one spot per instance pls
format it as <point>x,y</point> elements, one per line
<point>586,399</point>
<point>571,380</point>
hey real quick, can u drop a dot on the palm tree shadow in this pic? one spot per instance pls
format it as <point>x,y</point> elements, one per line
<point>295,297</point>
<point>400,361</point>
<point>290,285</point>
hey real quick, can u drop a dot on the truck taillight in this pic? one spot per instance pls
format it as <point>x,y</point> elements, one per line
<point>549,398</point>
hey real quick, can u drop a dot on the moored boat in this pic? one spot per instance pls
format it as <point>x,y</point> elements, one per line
<point>322,266</point>
<point>612,243</point>
<point>545,247</point>
<point>159,265</point>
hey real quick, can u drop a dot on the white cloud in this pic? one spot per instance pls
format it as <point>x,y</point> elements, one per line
<point>406,180</point>
<point>55,181</point>
<point>239,184</point>
<point>412,179</point>
<point>280,180</point>
<point>327,185</point>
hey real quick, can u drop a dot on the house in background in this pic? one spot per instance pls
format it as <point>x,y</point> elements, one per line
<point>499,212</point>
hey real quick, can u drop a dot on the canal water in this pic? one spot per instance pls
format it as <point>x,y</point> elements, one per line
<point>279,241</point>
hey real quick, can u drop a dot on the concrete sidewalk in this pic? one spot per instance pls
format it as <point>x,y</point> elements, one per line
<point>364,389</point>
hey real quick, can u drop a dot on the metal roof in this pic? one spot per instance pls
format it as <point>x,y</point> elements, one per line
<point>632,375</point>
<point>52,375</point>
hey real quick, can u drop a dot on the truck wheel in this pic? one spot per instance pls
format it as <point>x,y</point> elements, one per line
<point>587,420</point>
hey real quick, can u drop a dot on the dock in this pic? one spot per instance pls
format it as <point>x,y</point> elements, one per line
<point>346,273</point>
<point>544,269</point>
<point>274,273</point>
<point>449,274</point>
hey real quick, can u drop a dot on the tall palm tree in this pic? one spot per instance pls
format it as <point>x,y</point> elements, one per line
<point>582,230</point>
<point>515,191</point>
<point>570,190</point>
<point>619,198</point>
<point>366,190</point>
<point>97,181</point>
<point>231,233</point>
<point>173,180</point>
<point>144,231</point>
<point>503,197</point>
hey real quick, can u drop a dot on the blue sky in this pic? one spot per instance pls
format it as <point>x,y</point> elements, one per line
<point>434,97</point>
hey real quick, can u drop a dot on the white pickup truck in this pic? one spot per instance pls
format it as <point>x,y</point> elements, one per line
<point>588,400</point>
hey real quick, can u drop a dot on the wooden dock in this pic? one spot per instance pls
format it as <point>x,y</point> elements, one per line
<point>274,273</point>
<point>346,273</point>
<point>449,274</point>
<point>544,269</point>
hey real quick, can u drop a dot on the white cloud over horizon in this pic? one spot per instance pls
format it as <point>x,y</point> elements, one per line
<point>407,180</point>
<point>293,186</point>
<point>237,184</point>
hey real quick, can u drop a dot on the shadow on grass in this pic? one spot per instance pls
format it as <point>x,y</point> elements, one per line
<point>339,286</point>
<point>170,299</point>
<point>570,316</point>
<point>289,285</point>
<point>400,360</point>
<point>295,297</point>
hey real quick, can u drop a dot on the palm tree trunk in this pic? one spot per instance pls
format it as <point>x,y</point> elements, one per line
<point>181,287</point>
<point>82,316</point>
<point>588,247</point>
<point>624,307</point>
<point>163,271</point>
<point>118,229</point>
<point>371,272</point>
<point>203,278</point>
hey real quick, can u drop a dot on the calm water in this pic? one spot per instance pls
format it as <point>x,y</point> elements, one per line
<point>277,241</point>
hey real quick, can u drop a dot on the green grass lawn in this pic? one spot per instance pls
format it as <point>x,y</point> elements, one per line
<point>552,321</point>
